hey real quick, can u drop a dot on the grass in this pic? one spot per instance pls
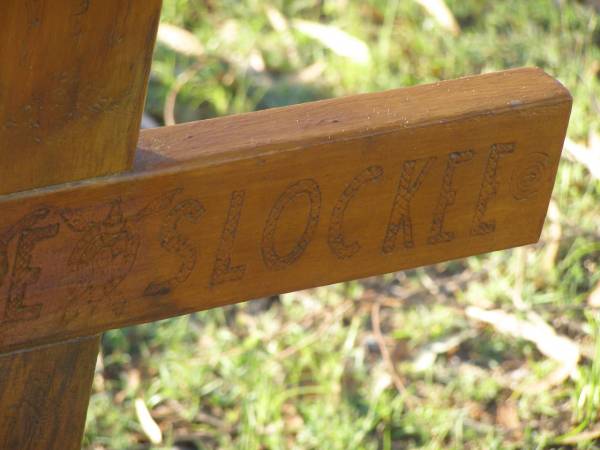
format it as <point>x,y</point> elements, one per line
<point>306,370</point>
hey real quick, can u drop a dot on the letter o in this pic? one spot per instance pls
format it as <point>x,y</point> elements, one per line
<point>272,259</point>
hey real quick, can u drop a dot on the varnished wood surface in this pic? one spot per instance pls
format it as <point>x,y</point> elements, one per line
<point>232,137</point>
<point>73,79</point>
<point>241,207</point>
<point>44,395</point>
<point>72,84</point>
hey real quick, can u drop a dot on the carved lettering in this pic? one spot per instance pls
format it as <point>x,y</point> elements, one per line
<point>223,271</point>
<point>446,197</point>
<point>173,242</point>
<point>309,188</point>
<point>489,189</point>
<point>336,240</point>
<point>23,274</point>
<point>400,219</point>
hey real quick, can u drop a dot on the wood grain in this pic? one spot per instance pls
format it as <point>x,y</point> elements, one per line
<point>246,206</point>
<point>72,85</point>
<point>44,395</point>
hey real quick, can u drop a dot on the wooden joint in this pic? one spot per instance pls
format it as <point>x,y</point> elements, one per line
<point>230,209</point>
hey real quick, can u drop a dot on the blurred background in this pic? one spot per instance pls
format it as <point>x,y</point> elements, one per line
<point>500,351</point>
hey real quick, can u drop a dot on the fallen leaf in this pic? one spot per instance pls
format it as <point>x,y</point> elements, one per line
<point>534,329</point>
<point>338,41</point>
<point>309,74</point>
<point>149,426</point>
<point>594,298</point>
<point>441,14</point>
<point>180,40</point>
<point>277,20</point>
<point>507,415</point>
<point>427,356</point>
<point>588,156</point>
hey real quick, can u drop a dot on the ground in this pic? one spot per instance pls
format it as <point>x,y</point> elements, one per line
<point>411,360</point>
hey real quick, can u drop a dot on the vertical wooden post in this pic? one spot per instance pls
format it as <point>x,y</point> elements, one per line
<point>44,395</point>
<point>73,76</point>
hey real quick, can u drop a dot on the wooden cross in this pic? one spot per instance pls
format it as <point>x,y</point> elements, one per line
<point>100,230</point>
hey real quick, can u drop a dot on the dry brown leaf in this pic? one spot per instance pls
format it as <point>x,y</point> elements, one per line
<point>558,348</point>
<point>507,415</point>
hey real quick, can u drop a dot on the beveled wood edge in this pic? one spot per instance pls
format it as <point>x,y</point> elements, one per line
<point>160,150</point>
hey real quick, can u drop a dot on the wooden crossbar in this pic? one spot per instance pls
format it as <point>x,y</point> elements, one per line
<point>236,208</point>
<point>221,211</point>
